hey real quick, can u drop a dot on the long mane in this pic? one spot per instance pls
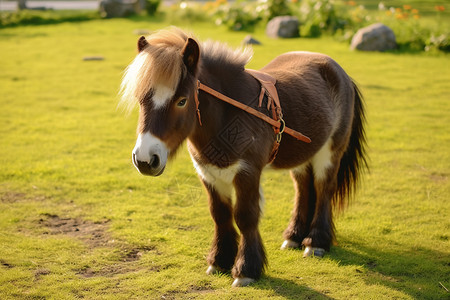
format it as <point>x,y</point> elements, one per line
<point>161,64</point>
<point>219,54</point>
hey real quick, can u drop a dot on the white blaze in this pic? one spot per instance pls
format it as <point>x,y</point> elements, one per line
<point>161,96</point>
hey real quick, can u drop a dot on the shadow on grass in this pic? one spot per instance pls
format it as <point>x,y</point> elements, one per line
<point>288,289</point>
<point>418,272</point>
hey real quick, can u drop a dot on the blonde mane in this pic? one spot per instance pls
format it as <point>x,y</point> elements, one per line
<point>160,64</point>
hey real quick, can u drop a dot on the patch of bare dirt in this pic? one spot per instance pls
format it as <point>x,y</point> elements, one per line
<point>11,197</point>
<point>94,234</point>
<point>38,273</point>
<point>193,289</point>
<point>135,254</point>
<point>187,228</point>
<point>438,177</point>
<point>5,264</point>
<point>125,264</point>
<point>14,197</point>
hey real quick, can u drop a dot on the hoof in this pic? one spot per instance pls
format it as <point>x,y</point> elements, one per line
<point>312,251</point>
<point>212,270</point>
<point>288,244</point>
<point>244,281</point>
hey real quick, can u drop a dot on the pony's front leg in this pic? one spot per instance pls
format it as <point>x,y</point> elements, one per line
<point>225,242</point>
<point>251,257</point>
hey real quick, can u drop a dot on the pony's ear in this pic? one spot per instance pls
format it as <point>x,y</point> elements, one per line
<point>191,55</point>
<point>142,43</point>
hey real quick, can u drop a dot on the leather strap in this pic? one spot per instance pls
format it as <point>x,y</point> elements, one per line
<point>250,110</point>
<point>267,85</point>
<point>273,103</point>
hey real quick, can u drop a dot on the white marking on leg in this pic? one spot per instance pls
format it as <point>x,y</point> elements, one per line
<point>244,281</point>
<point>212,270</point>
<point>313,251</point>
<point>322,161</point>
<point>288,244</point>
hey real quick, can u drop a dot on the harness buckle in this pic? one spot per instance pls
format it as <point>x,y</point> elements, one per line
<point>197,102</point>
<point>281,130</point>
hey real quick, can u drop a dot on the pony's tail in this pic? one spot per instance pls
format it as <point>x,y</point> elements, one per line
<point>354,161</point>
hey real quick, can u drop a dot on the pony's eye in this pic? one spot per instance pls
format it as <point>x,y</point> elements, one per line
<point>182,102</point>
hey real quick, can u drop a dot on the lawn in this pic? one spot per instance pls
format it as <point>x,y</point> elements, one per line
<point>78,221</point>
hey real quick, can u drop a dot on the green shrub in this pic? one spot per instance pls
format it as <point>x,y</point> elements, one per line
<point>239,15</point>
<point>186,12</point>
<point>441,42</point>
<point>151,6</point>
<point>36,17</point>
<point>278,8</point>
<point>410,31</point>
<point>317,17</point>
<point>244,15</point>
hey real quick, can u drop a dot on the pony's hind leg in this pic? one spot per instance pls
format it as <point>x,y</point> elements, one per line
<point>225,242</point>
<point>325,167</point>
<point>304,206</point>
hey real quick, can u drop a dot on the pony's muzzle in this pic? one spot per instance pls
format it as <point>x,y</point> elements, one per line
<point>153,168</point>
<point>149,155</point>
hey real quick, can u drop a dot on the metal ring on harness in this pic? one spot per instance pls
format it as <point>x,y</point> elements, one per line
<point>282,127</point>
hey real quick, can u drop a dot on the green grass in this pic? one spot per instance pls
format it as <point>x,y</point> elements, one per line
<point>65,165</point>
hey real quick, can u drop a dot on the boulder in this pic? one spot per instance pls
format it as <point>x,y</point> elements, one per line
<point>120,8</point>
<point>283,27</point>
<point>249,40</point>
<point>376,37</point>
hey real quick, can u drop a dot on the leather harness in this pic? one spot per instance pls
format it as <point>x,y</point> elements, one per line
<point>273,104</point>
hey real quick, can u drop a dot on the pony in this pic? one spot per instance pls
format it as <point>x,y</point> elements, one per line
<point>230,147</point>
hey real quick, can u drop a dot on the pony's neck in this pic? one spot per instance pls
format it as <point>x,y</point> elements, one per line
<point>221,77</point>
<point>216,114</point>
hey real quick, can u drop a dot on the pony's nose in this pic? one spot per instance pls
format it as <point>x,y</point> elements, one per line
<point>150,155</point>
<point>152,168</point>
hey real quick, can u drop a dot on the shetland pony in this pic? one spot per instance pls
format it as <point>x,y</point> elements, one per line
<point>230,147</point>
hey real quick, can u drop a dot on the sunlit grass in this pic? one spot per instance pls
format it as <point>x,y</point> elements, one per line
<point>65,151</point>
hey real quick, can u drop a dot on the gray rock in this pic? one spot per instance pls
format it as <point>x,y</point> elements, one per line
<point>283,27</point>
<point>91,58</point>
<point>249,40</point>
<point>376,37</point>
<point>119,8</point>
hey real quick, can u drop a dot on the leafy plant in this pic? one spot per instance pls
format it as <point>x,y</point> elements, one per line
<point>278,8</point>
<point>441,42</point>
<point>186,12</point>
<point>34,17</point>
<point>329,17</point>
<point>410,32</point>
<point>151,6</point>
<point>239,15</point>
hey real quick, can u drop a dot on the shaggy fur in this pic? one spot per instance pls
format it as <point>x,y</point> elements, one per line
<point>231,148</point>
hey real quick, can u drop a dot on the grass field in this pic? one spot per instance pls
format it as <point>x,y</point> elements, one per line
<point>78,221</point>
